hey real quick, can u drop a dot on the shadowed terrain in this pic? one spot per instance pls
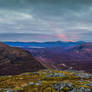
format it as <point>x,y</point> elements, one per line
<point>14,60</point>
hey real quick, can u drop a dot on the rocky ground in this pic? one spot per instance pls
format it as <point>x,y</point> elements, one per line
<point>48,81</point>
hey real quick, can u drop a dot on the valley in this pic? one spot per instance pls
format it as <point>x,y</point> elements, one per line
<point>46,69</point>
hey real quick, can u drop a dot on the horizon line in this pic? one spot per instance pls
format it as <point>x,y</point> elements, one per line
<point>44,41</point>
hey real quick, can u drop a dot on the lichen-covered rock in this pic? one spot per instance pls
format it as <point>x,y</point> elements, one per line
<point>60,86</point>
<point>81,89</point>
<point>56,75</point>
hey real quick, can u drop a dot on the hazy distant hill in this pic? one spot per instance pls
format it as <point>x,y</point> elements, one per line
<point>14,60</point>
<point>43,44</point>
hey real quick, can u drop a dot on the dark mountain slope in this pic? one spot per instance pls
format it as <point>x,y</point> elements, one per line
<point>14,60</point>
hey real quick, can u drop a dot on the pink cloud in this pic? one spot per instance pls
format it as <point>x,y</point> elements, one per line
<point>64,37</point>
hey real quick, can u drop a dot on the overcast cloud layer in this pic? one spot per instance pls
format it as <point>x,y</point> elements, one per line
<point>46,20</point>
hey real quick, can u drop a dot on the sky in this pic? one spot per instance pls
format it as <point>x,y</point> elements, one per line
<point>46,20</point>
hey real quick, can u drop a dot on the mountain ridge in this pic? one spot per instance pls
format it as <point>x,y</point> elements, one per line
<point>15,60</point>
<point>44,44</point>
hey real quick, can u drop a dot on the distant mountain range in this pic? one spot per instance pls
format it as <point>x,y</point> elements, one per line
<point>43,44</point>
<point>14,60</point>
<point>60,55</point>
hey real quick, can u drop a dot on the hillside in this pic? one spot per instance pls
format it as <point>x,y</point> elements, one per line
<point>14,60</point>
